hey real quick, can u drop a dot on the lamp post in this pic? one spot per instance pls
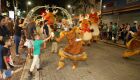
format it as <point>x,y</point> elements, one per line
<point>70,8</point>
<point>101,6</point>
<point>28,4</point>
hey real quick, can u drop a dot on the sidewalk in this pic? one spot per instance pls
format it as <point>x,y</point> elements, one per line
<point>112,43</point>
<point>37,75</point>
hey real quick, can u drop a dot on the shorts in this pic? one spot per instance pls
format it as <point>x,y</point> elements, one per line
<point>28,43</point>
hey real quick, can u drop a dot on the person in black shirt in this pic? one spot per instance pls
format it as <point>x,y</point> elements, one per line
<point>18,33</point>
<point>46,29</point>
<point>2,33</point>
<point>6,56</point>
<point>1,46</point>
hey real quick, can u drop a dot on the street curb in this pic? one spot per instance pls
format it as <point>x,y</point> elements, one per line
<point>122,46</point>
<point>23,72</point>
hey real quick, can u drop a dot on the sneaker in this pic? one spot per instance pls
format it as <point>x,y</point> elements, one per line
<point>39,69</point>
<point>30,73</point>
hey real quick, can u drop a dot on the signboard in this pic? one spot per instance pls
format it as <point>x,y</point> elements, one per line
<point>11,14</point>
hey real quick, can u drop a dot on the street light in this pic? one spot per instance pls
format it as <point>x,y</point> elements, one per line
<point>29,2</point>
<point>104,6</point>
<point>69,6</point>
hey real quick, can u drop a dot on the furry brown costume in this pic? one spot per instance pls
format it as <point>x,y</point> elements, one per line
<point>133,45</point>
<point>73,50</point>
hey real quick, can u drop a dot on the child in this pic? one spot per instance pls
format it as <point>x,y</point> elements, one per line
<point>29,45</point>
<point>37,47</point>
<point>6,55</point>
<point>54,34</point>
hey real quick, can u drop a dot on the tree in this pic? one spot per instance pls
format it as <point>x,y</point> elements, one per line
<point>84,5</point>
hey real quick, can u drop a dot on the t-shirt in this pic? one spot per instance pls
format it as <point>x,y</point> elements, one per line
<point>114,29</point>
<point>4,31</point>
<point>37,46</point>
<point>133,29</point>
<point>5,52</point>
<point>56,34</point>
<point>18,30</point>
<point>46,29</point>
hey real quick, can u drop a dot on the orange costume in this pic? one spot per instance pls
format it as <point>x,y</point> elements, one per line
<point>94,19</point>
<point>49,17</point>
<point>133,45</point>
<point>85,29</point>
<point>73,50</point>
<point>85,25</point>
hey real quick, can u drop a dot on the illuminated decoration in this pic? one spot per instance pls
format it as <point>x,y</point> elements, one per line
<point>32,11</point>
<point>4,14</point>
<point>18,12</point>
<point>38,17</point>
<point>7,4</point>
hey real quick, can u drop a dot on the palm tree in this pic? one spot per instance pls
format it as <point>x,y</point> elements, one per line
<point>84,5</point>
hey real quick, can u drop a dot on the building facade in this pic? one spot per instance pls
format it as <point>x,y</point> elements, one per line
<point>121,11</point>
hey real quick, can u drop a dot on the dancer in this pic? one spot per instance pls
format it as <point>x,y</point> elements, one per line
<point>94,19</point>
<point>133,45</point>
<point>49,16</point>
<point>73,50</point>
<point>85,29</point>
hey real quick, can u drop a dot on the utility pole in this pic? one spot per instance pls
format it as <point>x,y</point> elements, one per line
<point>101,3</point>
<point>0,7</point>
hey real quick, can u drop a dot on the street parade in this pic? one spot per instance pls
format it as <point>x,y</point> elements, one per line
<point>51,42</point>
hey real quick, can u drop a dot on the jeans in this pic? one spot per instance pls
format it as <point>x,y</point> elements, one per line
<point>17,42</point>
<point>110,35</point>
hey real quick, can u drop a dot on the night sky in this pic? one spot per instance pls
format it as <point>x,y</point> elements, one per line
<point>22,4</point>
